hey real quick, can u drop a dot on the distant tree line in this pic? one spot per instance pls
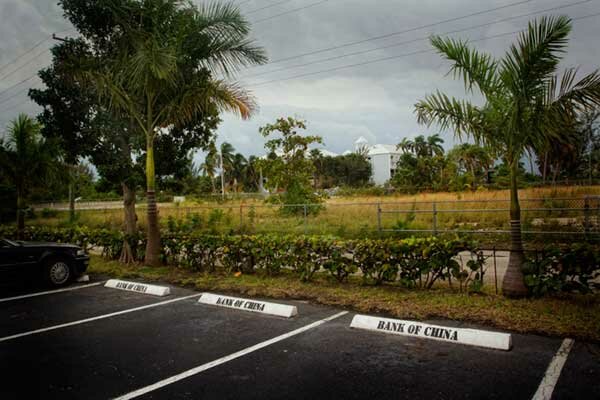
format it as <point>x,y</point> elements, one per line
<point>424,164</point>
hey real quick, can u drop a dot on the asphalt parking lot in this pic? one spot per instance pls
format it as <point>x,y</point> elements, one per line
<point>92,342</point>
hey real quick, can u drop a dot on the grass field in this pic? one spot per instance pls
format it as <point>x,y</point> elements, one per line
<point>364,216</point>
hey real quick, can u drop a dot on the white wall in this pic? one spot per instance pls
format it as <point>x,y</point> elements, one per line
<point>381,168</point>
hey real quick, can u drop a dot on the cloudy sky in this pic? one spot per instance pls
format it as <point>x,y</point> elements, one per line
<point>340,100</point>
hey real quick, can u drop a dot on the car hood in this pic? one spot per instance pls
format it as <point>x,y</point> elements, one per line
<point>48,244</point>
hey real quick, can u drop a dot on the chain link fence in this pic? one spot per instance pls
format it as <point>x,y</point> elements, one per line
<point>567,218</point>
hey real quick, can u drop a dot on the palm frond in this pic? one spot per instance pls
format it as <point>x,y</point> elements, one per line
<point>566,99</point>
<point>151,59</point>
<point>449,113</point>
<point>474,68</point>
<point>192,101</point>
<point>222,32</point>
<point>112,93</point>
<point>528,64</point>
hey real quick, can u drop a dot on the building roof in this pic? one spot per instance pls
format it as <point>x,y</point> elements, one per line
<point>378,149</point>
<point>361,141</point>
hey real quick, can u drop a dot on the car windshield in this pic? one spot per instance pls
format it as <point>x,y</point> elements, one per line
<point>7,243</point>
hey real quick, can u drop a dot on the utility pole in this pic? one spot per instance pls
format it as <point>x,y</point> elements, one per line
<point>591,149</point>
<point>222,176</point>
<point>70,168</point>
<point>58,38</point>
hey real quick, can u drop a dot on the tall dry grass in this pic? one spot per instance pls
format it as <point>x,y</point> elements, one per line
<point>360,216</point>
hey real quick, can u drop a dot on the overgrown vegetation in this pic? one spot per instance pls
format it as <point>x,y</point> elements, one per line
<point>553,270</point>
<point>287,168</point>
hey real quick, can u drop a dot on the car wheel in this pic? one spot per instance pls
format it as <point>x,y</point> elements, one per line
<point>58,272</point>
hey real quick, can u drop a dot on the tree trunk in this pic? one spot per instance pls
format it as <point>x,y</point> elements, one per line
<point>555,173</point>
<point>513,283</point>
<point>153,239</point>
<point>71,195</point>
<point>20,214</point>
<point>127,254</point>
<point>545,169</point>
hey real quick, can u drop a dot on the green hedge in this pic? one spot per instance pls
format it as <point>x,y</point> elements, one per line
<point>569,269</point>
<point>413,262</point>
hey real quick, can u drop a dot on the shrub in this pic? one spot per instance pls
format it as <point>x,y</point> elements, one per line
<point>49,213</point>
<point>376,260</point>
<point>339,261</point>
<point>413,262</point>
<point>571,269</point>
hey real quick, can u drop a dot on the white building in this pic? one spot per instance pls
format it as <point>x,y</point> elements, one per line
<point>383,158</point>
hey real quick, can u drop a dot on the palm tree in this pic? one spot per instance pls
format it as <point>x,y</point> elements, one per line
<point>252,175</point>
<point>161,73</point>
<point>473,158</point>
<point>209,166</point>
<point>406,145</point>
<point>26,160</point>
<point>422,147</point>
<point>434,145</point>
<point>238,170</point>
<point>228,153</point>
<point>526,104</point>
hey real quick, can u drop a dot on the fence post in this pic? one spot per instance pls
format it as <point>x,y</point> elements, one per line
<point>379,217</point>
<point>305,219</point>
<point>434,218</point>
<point>586,215</point>
<point>241,218</point>
<point>495,271</point>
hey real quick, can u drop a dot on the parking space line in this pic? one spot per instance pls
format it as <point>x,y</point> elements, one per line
<point>84,321</point>
<point>546,388</point>
<point>225,359</point>
<point>51,291</point>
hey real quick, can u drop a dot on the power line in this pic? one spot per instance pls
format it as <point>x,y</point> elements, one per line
<point>72,29</point>
<point>15,105</point>
<point>24,53</point>
<point>269,6</point>
<point>18,83</point>
<point>20,67</point>
<point>398,32</point>
<point>291,11</point>
<point>417,39</point>
<point>15,95</point>
<point>393,57</point>
<point>32,48</point>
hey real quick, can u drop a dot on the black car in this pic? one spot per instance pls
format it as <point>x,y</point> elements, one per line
<point>56,263</point>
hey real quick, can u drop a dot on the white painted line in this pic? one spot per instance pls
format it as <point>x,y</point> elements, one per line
<point>223,360</point>
<point>546,388</point>
<point>472,337</point>
<point>85,321</point>
<point>138,287</point>
<point>83,278</point>
<point>51,291</point>
<point>263,307</point>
